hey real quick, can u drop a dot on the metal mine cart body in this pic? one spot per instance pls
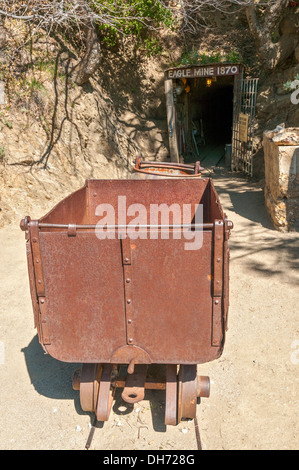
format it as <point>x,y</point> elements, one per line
<point>125,303</point>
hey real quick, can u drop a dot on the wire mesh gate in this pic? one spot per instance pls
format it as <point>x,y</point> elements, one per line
<point>245,94</point>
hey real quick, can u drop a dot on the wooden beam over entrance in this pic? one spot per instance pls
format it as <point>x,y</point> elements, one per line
<point>202,71</point>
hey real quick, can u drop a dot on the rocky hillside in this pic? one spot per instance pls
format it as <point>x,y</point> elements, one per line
<point>55,134</point>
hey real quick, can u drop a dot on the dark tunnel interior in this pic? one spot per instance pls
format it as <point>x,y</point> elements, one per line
<point>209,106</point>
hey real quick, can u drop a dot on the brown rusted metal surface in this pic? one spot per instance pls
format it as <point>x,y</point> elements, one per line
<point>31,275</point>
<point>187,392</point>
<point>150,384</point>
<point>76,379</point>
<point>105,393</point>
<point>168,169</point>
<point>128,291</point>
<point>133,391</point>
<point>89,385</point>
<point>44,322</point>
<point>132,301</point>
<point>203,386</point>
<point>85,298</point>
<point>171,398</point>
<point>217,316</point>
<point>83,278</point>
<point>121,228</point>
<point>98,382</point>
<point>174,296</point>
<point>130,354</point>
<point>37,260</point>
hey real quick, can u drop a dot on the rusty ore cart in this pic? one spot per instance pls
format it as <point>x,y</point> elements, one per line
<point>123,307</point>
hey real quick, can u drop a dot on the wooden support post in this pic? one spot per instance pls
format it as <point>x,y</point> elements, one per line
<point>171,121</point>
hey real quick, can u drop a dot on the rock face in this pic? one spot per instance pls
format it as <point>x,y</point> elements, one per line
<point>81,136</point>
<point>281,150</point>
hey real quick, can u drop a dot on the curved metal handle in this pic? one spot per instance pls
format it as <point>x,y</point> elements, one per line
<point>185,170</point>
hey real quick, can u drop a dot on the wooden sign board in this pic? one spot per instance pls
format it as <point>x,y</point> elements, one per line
<point>243,127</point>
<point>201,71</point>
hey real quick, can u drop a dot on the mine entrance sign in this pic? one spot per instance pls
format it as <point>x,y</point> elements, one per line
<point>204,71</point>
<point>210,108</point>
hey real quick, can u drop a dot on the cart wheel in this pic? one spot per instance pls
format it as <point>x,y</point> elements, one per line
<point>105,394</point>
<point>89,385</point>
<point>187,392</point>
<point>171,395</point>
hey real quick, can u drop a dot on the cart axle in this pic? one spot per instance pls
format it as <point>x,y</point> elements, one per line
<point>97,384</point>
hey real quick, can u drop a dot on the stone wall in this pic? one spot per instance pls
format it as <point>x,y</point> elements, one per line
<point>281,151</point>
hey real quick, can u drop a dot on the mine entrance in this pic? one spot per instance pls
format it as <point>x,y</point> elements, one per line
<point>205,107</point>
<point>210,120</point>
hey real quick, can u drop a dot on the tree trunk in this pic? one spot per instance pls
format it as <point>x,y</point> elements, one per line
<point>91,59</point>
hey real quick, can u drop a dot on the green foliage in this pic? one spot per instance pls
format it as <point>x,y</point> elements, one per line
<point>290,85</point>
<point>194,58</point>
<point>2,152</point>
<point>152,46</point>
<point>233,57</point>
<point>191,57</point>
<point>131,16</point>
<point>8,123</point>
<point>45,65</point>
<point>135,18</point>
<point>34,84</point>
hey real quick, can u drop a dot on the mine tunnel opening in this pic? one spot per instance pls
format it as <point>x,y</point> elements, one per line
<point>211,115</point>
<point>205,119</point>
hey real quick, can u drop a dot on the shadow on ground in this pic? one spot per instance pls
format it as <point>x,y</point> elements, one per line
<point>254,240</point>
<point>53,379</point>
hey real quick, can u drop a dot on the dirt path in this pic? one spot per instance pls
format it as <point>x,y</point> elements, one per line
<point>254,389</point>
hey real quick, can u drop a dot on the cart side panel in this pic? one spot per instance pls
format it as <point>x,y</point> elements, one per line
<point>84,300</point>
<point>170,316</point>
<point>72,209</point>
<point>215,208</point>
<point>32,282</point>
<point>121,194</point>
<point>173,304</point>
<point>171,309</point>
